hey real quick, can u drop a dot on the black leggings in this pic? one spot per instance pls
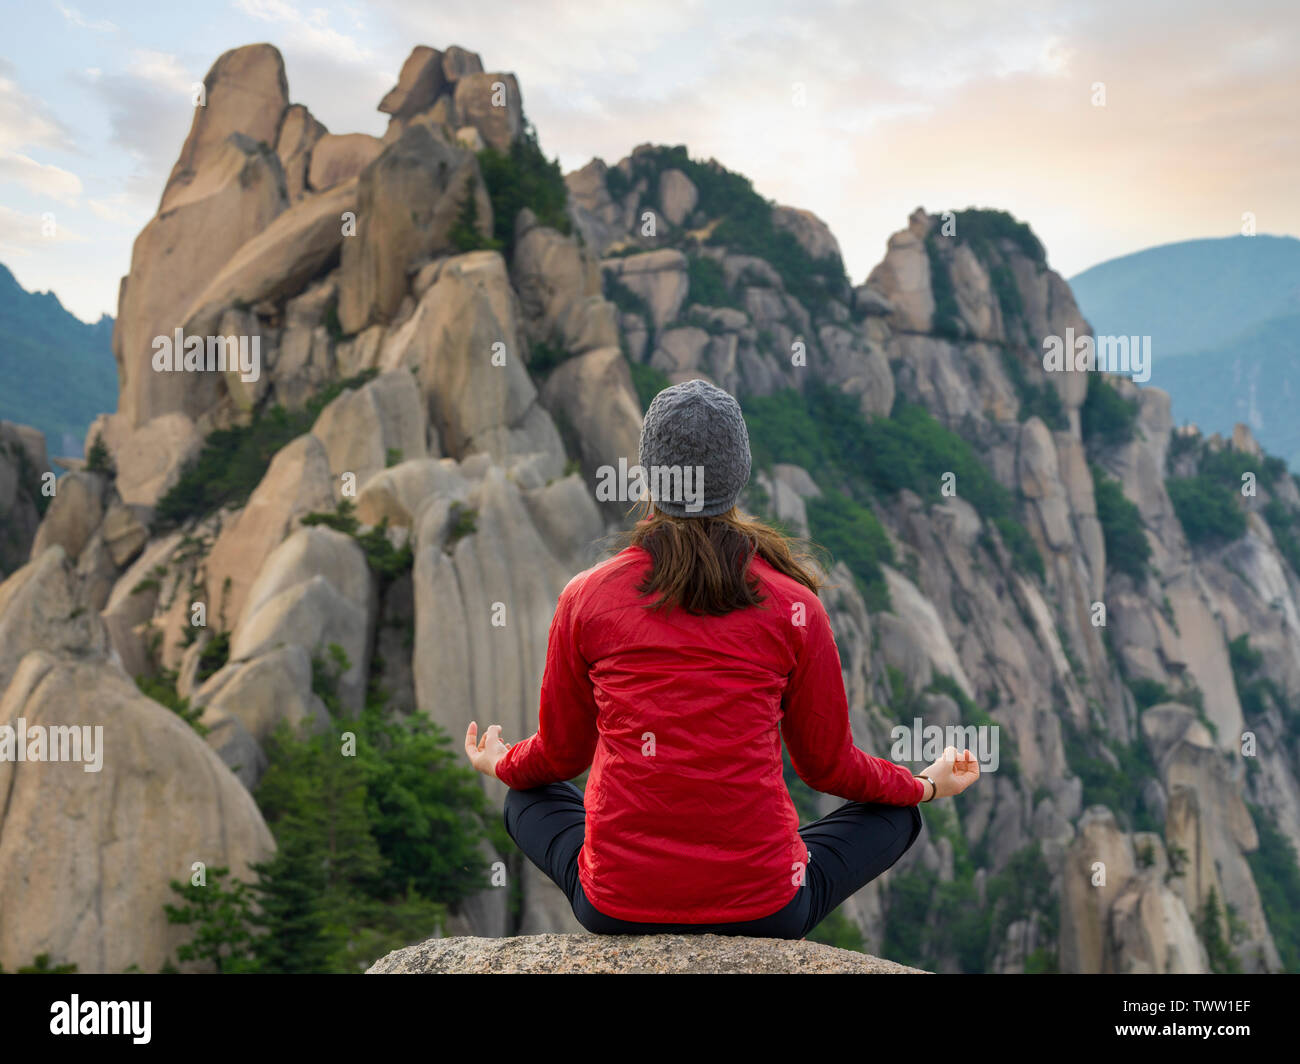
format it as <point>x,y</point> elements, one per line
<point>846,850</point>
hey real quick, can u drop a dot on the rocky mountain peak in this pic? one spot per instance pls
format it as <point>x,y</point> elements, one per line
<point>452,340</point>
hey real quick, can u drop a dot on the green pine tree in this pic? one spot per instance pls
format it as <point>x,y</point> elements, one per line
<point>98,459</point>
<point>291,891</point>
<point>375,837</point>
<point>314,800</point>
<point>425,809</point>
<point>464,234</point>
<point>1211,924</point>
<point>220,914</point>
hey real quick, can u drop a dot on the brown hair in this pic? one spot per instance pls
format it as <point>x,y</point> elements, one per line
<point>702,563</point>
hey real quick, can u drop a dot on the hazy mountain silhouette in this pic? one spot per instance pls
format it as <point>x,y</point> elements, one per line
<point>1223,316</point>
<point>58,371</point>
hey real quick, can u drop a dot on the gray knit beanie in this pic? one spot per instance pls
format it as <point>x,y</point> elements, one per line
<point>694,450</point>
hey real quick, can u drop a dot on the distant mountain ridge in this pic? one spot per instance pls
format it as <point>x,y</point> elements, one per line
<point>1222,315</point>
<point>58,371</point>
<point>1254,378</point>
<point>1193,295</point>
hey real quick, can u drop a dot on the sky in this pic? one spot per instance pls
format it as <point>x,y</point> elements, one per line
<point>1107,126</point>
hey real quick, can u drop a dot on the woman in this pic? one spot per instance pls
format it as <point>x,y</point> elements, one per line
<point>674,670</point>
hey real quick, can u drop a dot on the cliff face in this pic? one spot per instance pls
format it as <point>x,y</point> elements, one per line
<point>1054,640</point>
<point>456,379</point>
<point>22,460</point>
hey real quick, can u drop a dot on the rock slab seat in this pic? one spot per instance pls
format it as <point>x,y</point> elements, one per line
<point>630,954</point>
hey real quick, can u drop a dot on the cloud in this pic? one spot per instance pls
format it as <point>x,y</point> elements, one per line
<point>40,178</point>
<point>22,233</point>
<point>561,44</point>
<point>149,114</point>
<point>344,97</point>
<point>26,121</point>
<point>968,104</point>
<point>330,60</point>
<point>161,69</point>
<point>121,208</point>
<point>944,104</point>
<point>76,18</point>
<point>308,32</point>
<point>1190,136</point>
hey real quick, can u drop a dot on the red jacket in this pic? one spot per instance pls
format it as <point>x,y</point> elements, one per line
<point>688,817</point>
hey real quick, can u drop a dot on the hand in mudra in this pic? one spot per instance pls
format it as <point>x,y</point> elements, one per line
<point>485,753</point>
<point>953,772</point>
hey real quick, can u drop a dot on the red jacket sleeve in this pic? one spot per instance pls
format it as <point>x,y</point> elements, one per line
<point>816,727</point>
<point>565,740</point>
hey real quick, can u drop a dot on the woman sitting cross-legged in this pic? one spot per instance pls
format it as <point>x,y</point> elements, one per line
<point>674,670</point>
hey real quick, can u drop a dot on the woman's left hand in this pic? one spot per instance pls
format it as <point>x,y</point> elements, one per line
<point>485,754</point>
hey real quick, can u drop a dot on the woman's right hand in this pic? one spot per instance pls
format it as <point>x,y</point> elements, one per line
<point>953,772</point>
